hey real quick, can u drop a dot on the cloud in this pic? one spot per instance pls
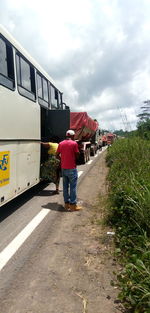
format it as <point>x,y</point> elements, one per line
<point>96,50</point>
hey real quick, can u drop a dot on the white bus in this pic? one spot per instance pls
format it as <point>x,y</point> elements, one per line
<point>28,96</point>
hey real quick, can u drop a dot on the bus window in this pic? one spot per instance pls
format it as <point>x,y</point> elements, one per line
<point>60,100</point>
<point>6,65</point>
<point>25,78</point>
<point>42,86</point>
<point>54,98</point>
<point>57,98</point>
<point>45,90</point>
<point>3,58</point>
<point>39,85</point>
<point>18,70</point>
<point>25,75</point>
<point>49,94</point>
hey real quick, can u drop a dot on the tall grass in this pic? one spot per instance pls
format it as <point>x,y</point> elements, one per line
<point>129,212</point>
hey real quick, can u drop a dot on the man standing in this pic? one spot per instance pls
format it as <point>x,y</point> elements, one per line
<point>69,152</point>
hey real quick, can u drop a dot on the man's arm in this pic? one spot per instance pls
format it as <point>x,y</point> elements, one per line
<point>45,145</point>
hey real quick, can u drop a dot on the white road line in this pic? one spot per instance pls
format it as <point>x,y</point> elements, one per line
<point>89,162</point>
<point>95,155</point>
<point>80,173</point>
<point>16,243</point>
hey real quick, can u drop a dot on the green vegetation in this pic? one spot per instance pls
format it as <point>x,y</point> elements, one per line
<point>144,129</point>
<point>143,126</point>
<point>129,213</point>
<point>121,133</point>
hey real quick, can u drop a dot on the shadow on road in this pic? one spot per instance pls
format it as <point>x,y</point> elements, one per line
<point>10,207</point>
<point>54,207</point>
<point>48,193</point>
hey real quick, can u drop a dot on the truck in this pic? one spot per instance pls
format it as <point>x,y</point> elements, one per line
<point>110,138</point>
<point>87,134</point>
<point>104,140</point>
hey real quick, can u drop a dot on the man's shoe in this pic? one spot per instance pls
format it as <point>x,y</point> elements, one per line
<point>75,207</point>
<point>67,205</point>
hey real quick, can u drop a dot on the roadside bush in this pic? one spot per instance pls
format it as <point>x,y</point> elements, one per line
<point>129,212</point>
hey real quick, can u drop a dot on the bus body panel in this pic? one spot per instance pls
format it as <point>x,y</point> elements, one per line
<point>7,189</point>
<point>19,115</point>
<point>23,163</point>
<point>28,161</point>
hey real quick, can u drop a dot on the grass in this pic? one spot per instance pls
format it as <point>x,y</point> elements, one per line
<point>129,213</point>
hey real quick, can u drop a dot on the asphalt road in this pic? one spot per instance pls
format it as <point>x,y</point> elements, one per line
<point>26,223</point>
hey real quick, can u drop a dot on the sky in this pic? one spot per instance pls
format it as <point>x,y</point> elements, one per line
<point>97,51</point>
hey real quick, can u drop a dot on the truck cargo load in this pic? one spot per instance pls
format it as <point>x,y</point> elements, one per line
<point>83,125</point>
<point>86,134</point>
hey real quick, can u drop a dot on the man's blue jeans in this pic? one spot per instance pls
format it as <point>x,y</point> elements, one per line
<point>70,177</point>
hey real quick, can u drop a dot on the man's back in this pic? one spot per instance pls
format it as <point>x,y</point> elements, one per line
<point>68,149</point>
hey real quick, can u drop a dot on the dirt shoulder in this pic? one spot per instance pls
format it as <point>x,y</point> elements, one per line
<point>100,263</point>
<point>71,270</point>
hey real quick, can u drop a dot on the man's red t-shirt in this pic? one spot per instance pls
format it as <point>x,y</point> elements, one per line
<point>68,149</point>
